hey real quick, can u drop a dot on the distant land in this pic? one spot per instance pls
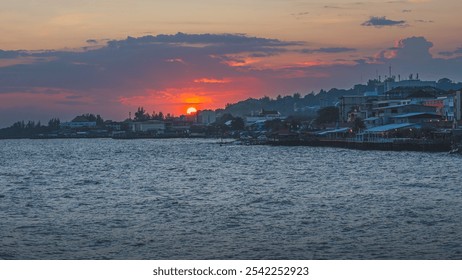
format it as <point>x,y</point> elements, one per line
<point>309,104</point>
<point>302,102</point>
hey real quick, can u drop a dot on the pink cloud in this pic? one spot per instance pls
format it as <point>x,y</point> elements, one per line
<point>212,81</point>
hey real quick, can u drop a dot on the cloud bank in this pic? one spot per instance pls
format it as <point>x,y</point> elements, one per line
<point>170,72</point>
<point>383,21</point>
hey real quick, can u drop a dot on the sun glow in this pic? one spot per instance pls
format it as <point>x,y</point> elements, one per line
<point>191,110</point>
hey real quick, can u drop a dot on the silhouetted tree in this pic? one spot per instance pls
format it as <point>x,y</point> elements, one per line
<point>225,118</point>
<point>54,123</point>
<point>141,115</point>
<point>274,125</point>
<point>237,124</point>
<point>30,125</point>
<point>327,115</point>
<point>358,125</point>
<point>85,118</point>
<point>159,116</point>
<point>99,120</point>
<point>19,125</point>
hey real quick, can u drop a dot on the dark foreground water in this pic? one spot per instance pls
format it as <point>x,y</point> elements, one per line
<point>195,199</point>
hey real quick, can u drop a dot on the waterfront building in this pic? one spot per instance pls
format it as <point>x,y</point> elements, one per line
<point>381,133</point>
<point>390,103</point>
<point>262,116</point>
<point>373,121</point>
<point>447,111</point>
<point>457,109</point>
<point>206,117</point>
<point>419,117</point>
<point>357,106</point>
<point>115,126</point>
<point>385,114</point>
<point>349,104</point>
<point>155,126</point>
<point>78,125</point>
<point>178,126</point>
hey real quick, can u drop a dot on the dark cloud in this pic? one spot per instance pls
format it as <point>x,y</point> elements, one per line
<point>121,62</point>
<point>332,7</point>
<point>266,54</point>
<point>424,21</point>
<point>328,50</point>
<point>414,48</point>
<point>344,6</point>
<point>183,38</point>
<point>12,54</point>
<point>92,41</point>
<point>383,21</point>
<point>300,15</point>
<point>140,70</point>
<point>451,53</point>
<point>412,55</point>
<point>407,11</point>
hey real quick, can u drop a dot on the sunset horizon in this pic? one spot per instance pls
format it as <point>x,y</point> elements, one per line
<point>222,139</point>
<point>61,60</point>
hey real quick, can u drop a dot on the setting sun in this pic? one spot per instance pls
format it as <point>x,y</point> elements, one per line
<point>191,110</point>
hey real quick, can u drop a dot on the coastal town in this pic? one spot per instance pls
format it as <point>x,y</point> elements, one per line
<point>393,114</point>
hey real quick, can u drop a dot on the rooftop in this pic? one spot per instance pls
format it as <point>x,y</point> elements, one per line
<point>417,114</point>
<point>338,130</point>
<point>388,127</point>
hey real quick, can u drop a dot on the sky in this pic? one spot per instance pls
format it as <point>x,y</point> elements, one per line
<point>62,58</point>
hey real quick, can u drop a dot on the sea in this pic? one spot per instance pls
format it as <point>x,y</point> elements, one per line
<point>206,199</point>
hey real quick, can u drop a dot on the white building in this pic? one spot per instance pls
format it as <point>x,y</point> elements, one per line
<point>409,84</point>
<point>148,126</point>
<point>448,108</point>
<point>262,117</point>
<point>206,117</point>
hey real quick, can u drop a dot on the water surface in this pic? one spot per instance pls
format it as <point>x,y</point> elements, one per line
<point>196,199</point>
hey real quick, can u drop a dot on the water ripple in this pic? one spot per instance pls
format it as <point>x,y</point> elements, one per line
<point>193,199</point>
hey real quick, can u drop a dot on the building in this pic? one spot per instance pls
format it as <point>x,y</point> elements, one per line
<point>348,104</point>
<point>414,93</point>
<point>448,108</point>
<point>78,125</point>
<point>206,117</point>
<point>421,118</point>
<point>458,108</point>
<point>390,103</point>
<point>353,106</point>
<point>411,83</point>
<point>439,105</point>
<point>263,115</point>
<point>385,114</point>
<point>117,126</point>
<point>154,126</point>
<point>178,126</point>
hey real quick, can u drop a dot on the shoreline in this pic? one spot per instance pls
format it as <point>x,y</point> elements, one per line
<point>404,144</point>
